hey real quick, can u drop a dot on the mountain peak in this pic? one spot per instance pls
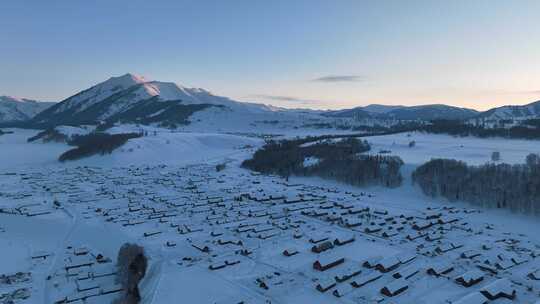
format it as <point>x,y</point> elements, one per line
<point>20,109</point>
<point>12,99</point>
<point>127,79</point>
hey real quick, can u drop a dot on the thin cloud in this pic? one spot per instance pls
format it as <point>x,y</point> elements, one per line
<point>340,78</point>
<point>285,98</point>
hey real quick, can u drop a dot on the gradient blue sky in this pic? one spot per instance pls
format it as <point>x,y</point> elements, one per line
<point>318,54</point>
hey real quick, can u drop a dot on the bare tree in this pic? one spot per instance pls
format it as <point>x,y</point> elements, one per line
<point>514,187</point>
<point>533,160</point>
<point>496,156</point>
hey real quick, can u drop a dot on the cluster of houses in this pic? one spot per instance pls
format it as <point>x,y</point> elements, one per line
<point>309,235</point>
<point>15,287</point>
<point>16,295</point>
<point>86,276</point>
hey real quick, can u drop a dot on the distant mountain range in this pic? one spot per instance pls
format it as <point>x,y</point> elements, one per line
<point>133,99</point>
<point>531,110</point>
<point>19,109</point>
<point>426,112</point>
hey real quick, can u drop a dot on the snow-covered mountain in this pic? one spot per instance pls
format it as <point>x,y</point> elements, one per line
<point>356,113</point>
<point>430,112</point>
<point>20,109</point>
<point>531,110</point>
<point>131,98</point>
<point>134,99</point>
<point>380,109</point>
<point>424,112</point>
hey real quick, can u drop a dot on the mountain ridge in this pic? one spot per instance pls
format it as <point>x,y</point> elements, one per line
<point>420,112</point>
<point>14,109</point>
<point>135,99</point>
<point>530,110</point>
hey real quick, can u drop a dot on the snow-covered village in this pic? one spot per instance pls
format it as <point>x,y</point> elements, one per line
<point>249,152</point>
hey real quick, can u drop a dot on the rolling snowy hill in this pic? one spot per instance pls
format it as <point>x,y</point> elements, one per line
<point>531,110</point>
<point>20,109</point>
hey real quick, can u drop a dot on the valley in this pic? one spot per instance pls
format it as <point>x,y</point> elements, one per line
<point>236,236</point>
<point>234,202</point>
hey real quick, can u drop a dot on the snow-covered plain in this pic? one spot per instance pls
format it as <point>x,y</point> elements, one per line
<point>474,151</point>
<point>16,152</point>
<point>163,191</point>
<point>159,147</point>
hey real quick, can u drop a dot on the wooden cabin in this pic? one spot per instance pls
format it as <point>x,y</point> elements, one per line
<point>440,269</point>
<point>394,288</point>
<point>470,278</point>
<point>407,273</point>
<point>344,239</point>
<point>290,252</point>
<point>202,247</point>
<point>365,279</point>
<point>352,222</point>
<point>325,285</point>
<point>372,261</point>
<point>342,290</point>
<point>388,264</point>
<point>535,275</point>
<point>318,238</point>
<point>502,288</point>
<point>321,247</point>
<point>470,254</point>
<point>324,264</point>
<point>346,274</point>
<point>472,298</point>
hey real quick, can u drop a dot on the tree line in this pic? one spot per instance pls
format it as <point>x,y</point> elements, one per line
<point>95,143</point>
<point>339,160</point>
<point>529,129</point>
<point>2,132</point>
<point>514,187</point>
